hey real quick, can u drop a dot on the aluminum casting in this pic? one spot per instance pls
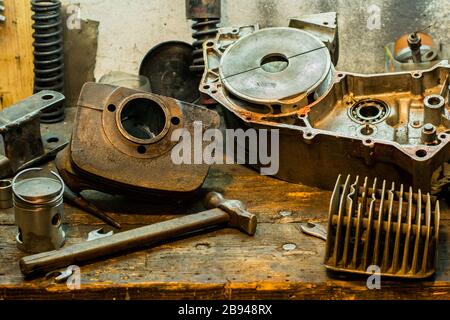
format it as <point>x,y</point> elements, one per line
<point>373,223</point>
<point>395,126</point>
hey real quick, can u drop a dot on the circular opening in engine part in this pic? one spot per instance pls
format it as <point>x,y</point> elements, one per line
<point>56,220</point>
<point>429,54</point>
<point>421,153</point>
<point>435,101</point>
<point>369,111</point>
<point>47,97</point>
<point>443,136</point>
<point>143,119</point>
<point>141,150</point>
<point>111,108</point>
<point>274,62</point>
<point>175,121</point>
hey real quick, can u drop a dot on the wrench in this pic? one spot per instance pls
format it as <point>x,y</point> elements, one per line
<point>315,230</point>
<point>222,212</point>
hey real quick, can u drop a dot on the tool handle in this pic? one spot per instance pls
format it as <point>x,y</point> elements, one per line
<point>144,236</point>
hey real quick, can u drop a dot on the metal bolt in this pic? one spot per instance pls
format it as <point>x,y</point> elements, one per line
<point>285,213</point>
<point>289,247</point>
<point>428,128</point>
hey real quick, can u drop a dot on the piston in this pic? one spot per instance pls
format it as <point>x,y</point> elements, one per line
<point>39,210</point>
<point>5,194</point>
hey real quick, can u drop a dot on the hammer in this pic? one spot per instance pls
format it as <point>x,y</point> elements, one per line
<point>231,213</point>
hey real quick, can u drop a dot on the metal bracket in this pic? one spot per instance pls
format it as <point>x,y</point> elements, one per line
<point>21,143</point>
<point>324,26</point>
<point>315,230</point>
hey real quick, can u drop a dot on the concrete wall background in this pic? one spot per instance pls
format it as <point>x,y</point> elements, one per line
<point>129,28</point>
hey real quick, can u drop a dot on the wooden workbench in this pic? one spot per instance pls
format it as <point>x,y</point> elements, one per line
<point>224,264</point>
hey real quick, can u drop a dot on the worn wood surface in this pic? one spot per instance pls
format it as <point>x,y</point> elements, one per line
<point>16,53</point>
<point>224,264</point>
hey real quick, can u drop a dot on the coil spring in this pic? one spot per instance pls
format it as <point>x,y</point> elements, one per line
<point>48,53</point>
<point>204,30</point>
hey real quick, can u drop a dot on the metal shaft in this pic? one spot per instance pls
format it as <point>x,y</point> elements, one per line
<point>132,239</point>
<point>78,201</point>
<point>415,43</point>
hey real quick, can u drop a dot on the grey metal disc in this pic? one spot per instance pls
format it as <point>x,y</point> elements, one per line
<point>244,75</point>
<point>38,189</point>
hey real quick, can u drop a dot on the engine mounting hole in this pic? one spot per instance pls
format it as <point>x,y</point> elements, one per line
<point>141,150</point>
<point>274,62</point>
<point>421,153</point>
<point>175,121</point>
<point>434,100</point>
<point>143,118</point>
<point>111,108</point>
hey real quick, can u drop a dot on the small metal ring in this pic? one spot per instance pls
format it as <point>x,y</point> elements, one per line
<point>13,183</point>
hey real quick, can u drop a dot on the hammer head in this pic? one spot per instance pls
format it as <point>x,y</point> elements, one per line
<point>240,218</point>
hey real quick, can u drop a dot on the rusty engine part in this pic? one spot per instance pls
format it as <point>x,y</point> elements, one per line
<point>38,210</point>
<point>122,143</point>
<point>414,51</point>
<point>206,16</point>
<point>374,223</point>
<point>167,66</point>
<point>330,122</point>
<point>48,53</point>
<point>21,144</point>
<point>231,213</point>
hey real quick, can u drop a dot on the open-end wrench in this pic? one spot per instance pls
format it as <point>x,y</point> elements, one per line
<point>231,213</point>
<point>315,230</point>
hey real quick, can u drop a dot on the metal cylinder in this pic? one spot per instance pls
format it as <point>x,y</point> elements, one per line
<point>39,211</point>
<point>434,107</point>
<point>5,194</point>
<point>429,134</point>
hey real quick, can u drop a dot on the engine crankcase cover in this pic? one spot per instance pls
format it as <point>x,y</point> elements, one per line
<point>122,143</point>
<point>269,66</point>
<point>394,126</point>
